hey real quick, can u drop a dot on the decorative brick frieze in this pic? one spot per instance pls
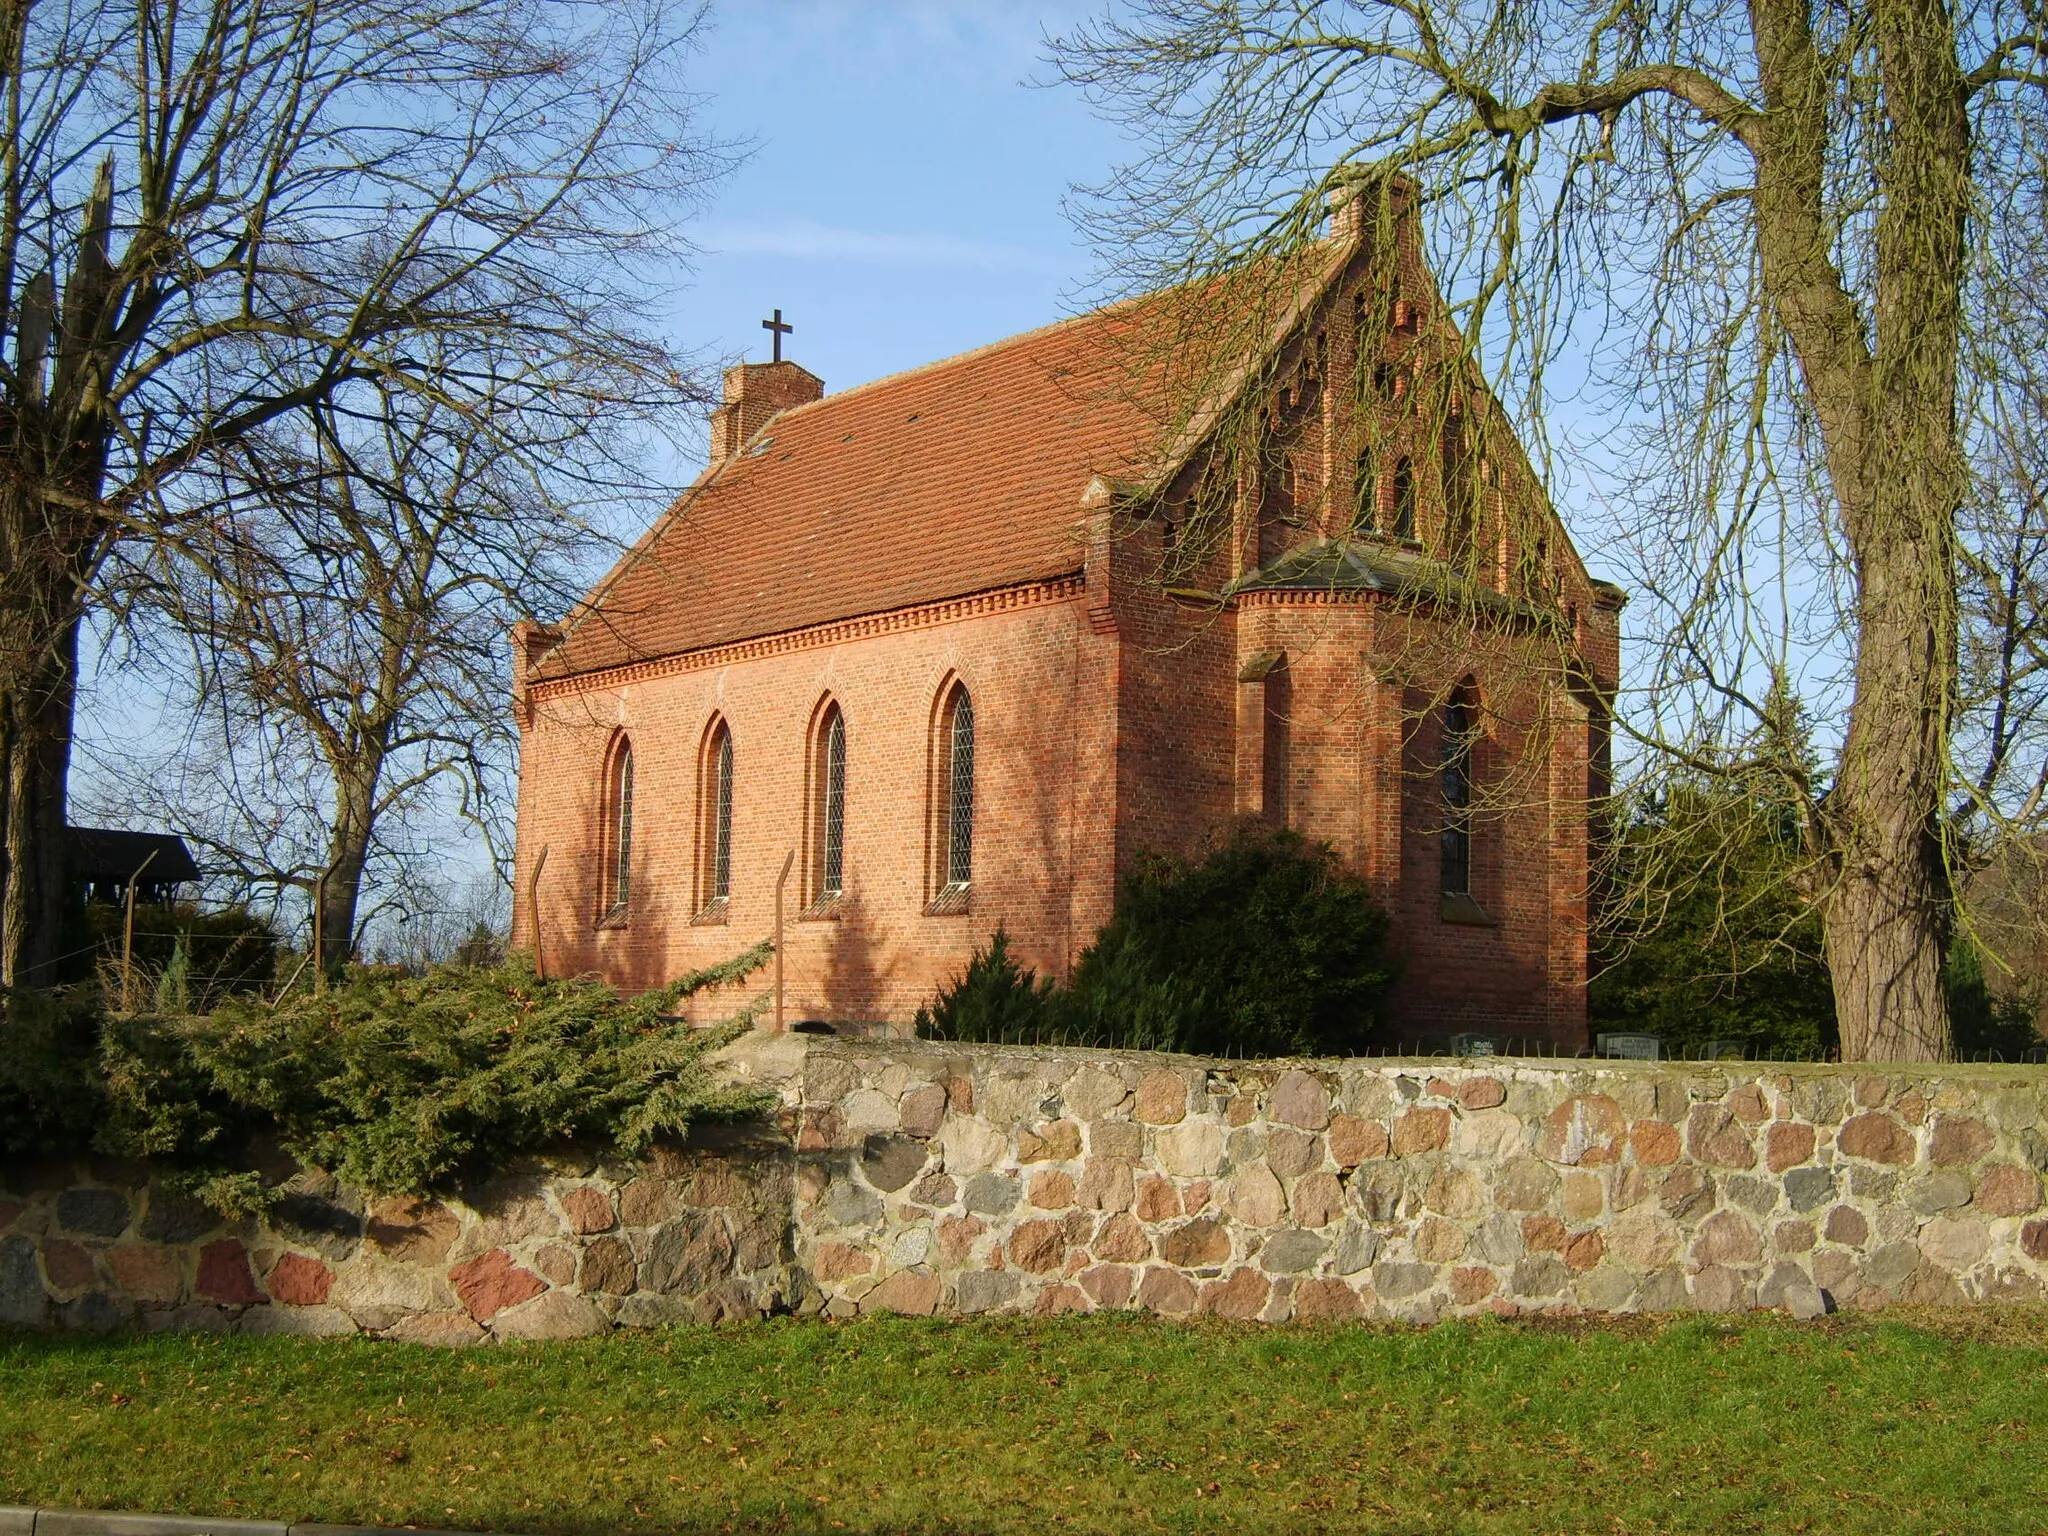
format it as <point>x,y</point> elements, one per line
<point>952,611</point>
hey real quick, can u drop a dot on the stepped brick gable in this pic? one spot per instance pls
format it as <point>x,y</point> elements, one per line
<point>967,641</point>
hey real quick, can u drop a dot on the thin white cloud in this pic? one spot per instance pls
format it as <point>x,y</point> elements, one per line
<point>807,241</point>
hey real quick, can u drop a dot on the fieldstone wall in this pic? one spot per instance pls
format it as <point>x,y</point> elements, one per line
<point>922,1178</point>
<point>948,1179</point>
<point>563,1248</point>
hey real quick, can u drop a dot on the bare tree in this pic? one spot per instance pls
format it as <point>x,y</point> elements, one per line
<point>343,609</point>
<point>1756,227</point>
<point>213,219</point>
<point>468,923</point>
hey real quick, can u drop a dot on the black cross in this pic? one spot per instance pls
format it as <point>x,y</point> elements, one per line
<point>780,329</point>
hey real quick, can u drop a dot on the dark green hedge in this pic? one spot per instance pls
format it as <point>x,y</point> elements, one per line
<point>397,1084</point>
<point>1263,946</point>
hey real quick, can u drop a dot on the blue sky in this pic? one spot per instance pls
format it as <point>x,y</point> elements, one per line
<point>903,201</point>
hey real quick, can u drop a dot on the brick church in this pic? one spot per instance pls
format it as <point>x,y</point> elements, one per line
<point>959,644</point>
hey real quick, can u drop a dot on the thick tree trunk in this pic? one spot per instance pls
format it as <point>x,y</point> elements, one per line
<point>348,851</point>
<point>1888,916</point>
<point>1885,948</point>
<point>36,698</point>
<point>1882,385</point>
<point>39,623</point>
<point>56,430</point>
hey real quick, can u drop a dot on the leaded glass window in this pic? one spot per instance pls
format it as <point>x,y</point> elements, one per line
<point>721,816</point>
<point>832,809</point>
<point>622,829</point>
<point>960,793</point>
<point>1456,838</point>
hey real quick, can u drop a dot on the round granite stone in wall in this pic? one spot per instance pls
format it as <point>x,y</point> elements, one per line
<point>93,1212</point>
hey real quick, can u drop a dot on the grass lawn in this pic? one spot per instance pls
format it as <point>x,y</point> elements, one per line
<point>1105,1423</point>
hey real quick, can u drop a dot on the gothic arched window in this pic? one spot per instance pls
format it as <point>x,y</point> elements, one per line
<point>1455,841</point>
<point>721,831</point>
<point>618,867</point>
<point>714,821</point>
<point>829,777</point>
<point>956,785</point>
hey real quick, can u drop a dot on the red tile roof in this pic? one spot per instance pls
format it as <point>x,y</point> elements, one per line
<point>962,476</point>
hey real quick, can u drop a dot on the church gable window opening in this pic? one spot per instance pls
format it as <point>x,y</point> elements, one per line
<point>619,866</point>
<point>831,805</point>
<point>1455,841</point>
<point>1404,500</point>
<point>1365,494</point>
<point>1459,490</point>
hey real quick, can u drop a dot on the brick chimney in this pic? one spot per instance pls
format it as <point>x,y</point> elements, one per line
<point>1347,206</point>
<point>753,393</point>
<point>1355,202</point>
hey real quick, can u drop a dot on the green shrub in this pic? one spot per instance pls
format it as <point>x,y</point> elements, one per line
<point>399,1084</point>
<point>1263,946</point>
<point>1986,1026</point>
<point>1123,1001</point>
<point>395,1083</point>
<point>1267,946</point>
<point>995,1000</point>
<point>999,1002</point>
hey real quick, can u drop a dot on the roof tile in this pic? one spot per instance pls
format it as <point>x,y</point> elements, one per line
<point>959,477</point>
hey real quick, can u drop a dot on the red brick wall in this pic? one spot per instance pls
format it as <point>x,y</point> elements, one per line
<point>1521,972</point>
<point>1328,743</point>
<point>1176,703</point>
<point>1090,747</point>
<point>1043,724</point>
